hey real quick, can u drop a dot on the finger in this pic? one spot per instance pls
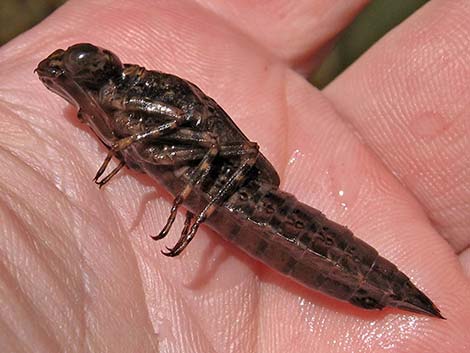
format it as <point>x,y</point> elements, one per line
<point>409,98</point>
<point>292,30</point>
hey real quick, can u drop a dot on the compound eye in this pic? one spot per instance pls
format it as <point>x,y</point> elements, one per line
<point>82,59</point>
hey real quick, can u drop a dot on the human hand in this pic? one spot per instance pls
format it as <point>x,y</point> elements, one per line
<point>384,149</point>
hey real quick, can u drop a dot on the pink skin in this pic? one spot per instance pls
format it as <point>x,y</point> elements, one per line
<point>385,149</point>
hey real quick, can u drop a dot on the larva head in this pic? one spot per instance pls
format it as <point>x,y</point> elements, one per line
<point>83,66</point>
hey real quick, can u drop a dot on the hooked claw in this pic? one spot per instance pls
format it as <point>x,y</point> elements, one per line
<point>161,235</point>
<point>100,183</point>
<point>172,252</point>
<point>169,223</point>
<point>107,178</point>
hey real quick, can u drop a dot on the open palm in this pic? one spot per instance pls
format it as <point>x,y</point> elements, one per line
<point>384,149</point>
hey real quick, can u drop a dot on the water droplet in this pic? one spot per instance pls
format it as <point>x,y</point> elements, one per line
<point>343,204</point>
<point>344,187</point>
<point>294,157</point>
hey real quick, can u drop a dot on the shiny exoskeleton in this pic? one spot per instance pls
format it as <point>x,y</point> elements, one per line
<point>167,127</point>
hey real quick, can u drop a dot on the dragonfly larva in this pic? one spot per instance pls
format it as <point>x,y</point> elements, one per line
<point>167,127</point>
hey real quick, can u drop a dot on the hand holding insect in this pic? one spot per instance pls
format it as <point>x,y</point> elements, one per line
<point>83,235</point>
<point>237,194</point>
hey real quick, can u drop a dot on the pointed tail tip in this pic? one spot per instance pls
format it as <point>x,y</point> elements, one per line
<point>432,311</point>
<point>437,313</point>
<point>439,316</point>
<point>416,301</point>
<point>429,311</point>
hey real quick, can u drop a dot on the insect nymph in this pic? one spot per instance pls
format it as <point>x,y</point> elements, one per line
<point>167,127</point>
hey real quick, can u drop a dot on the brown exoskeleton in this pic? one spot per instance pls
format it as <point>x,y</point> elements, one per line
<point>168,128</point>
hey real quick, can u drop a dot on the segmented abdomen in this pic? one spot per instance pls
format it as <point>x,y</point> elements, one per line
<point>302,243</point>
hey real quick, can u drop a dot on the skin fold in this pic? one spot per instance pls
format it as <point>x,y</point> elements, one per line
<point>384,149</point>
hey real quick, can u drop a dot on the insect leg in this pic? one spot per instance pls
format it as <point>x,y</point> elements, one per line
<point>172,155</point>
<point>199,173</point>
<point>108,177</point>
<point>148,107</point>
<point>143,105</point>
<point>196,177</point>
<point>187,222</point>
<point>129,140</point>
<point>250,155</point>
